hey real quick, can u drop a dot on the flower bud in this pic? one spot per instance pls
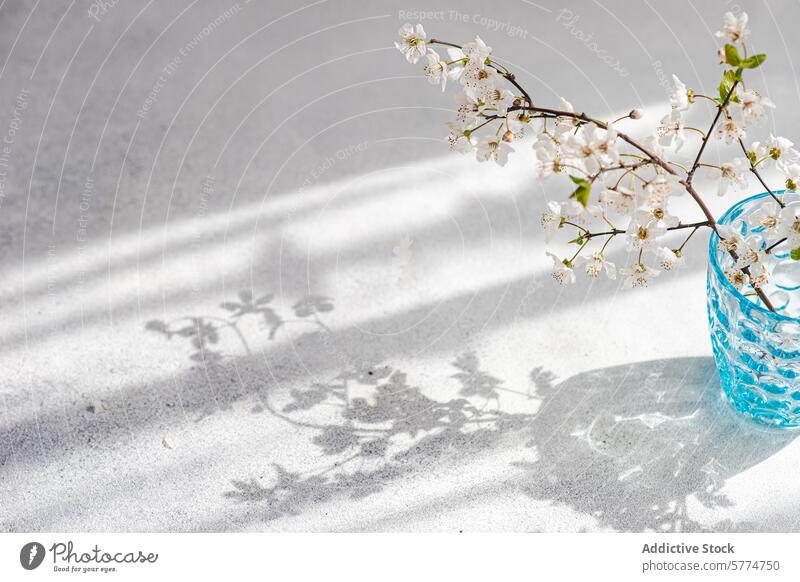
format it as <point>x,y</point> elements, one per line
<point>508,136</point>
<point>635,113</point>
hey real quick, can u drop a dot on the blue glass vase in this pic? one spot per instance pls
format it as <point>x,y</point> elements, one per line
<point>757,351</point>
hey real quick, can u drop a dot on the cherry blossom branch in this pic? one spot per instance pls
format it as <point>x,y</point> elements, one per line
<point>508,75</point>
<point>582,117</point>
<point>720,109</point>
<point>477,57</point>
<point>712,223</point>
<point>757,175</point>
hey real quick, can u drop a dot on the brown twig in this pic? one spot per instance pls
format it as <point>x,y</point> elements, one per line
<point>770,248</point>
<point>694,225</point>
<point>757,175</point>
<point>720,109</point>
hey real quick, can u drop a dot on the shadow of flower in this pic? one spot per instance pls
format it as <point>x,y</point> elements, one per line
<point>636,447</point>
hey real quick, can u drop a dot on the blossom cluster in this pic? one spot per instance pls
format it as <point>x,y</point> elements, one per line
<point>621,187</point>
<point>483,97</point>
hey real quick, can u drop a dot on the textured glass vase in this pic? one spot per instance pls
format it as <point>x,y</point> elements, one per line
<point>757,351</point>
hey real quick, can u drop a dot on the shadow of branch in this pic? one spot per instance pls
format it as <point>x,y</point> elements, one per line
<point>633,446</point>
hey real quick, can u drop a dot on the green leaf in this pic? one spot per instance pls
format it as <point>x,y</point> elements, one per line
<point>753,61</point>
<point>732,55</point>
<point>795,254</point>
<point>582,192</point>
<point>725,86</point>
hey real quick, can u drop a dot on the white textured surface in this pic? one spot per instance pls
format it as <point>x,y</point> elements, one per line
<point>513,405</point>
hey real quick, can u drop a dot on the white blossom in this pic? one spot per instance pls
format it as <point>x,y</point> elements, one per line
<point>661,187</point>
<point>499,99</point>
<point>643,234</point>
<point>579,214</point>
<point>551,219</point>
<point>748,257</point>
<point>669,259</point>
<point>760,278</point>
<point>457,60</point>
<point>766,217</point>
<point>731,127</point>
<point>736,277</point>
<point>436,70</point>
<point>658,213</point>
<point>596,264</point>
<point>679,98</point>
<point>781,150</point>
<point>469,110</point>
<point>730,239</point>
<point>491,147</point>
<point>587,213</point>
<point>670,131</point>
<point>637,275</point>
<point>777,151</point>
<point>547,156</point>
<point>565,123</point>
<point>412,44</point>
<point>653,145</point>
<point>752,106</point>
<point>479,82</point>
<point>562,271</point>
<point>731,174</point>
<point>734,28</point>
<point>792,173</point>
<point>518,120</point>
<point>458,139</point>
<point>476,77</point>
<point>758,153</point>
<point>476,52</point>
<point>619,199</point>
<point>592,148</point>
<point>789,225</point>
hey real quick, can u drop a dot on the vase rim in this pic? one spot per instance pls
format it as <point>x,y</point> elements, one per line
<point>712,259</point>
